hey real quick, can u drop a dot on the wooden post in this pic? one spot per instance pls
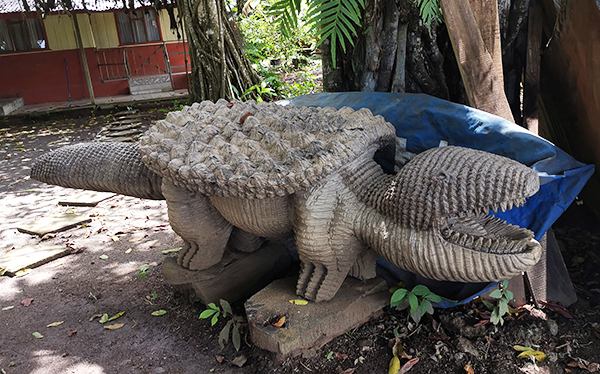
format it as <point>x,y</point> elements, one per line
<point>531,87</point>
<point>486,13</point>
<point>86,70</point>
<point>485,89</point>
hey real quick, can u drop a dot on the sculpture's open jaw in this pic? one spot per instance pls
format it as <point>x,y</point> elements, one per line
<point>482,232</point>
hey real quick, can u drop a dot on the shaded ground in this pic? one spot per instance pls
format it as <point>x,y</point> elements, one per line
<point>79,286</point>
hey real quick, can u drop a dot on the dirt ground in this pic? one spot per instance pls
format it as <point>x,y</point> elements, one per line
<point>126,233</point>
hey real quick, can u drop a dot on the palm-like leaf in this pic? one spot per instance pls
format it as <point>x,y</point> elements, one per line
<point>336,19</point>
<point>286,13</point>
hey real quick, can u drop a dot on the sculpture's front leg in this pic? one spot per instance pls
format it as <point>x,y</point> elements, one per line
<point>199,224</point>
<point>325,239</point>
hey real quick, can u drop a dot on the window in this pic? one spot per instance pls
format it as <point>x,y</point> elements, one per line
<point>138,26</point>
<point>21,34</point>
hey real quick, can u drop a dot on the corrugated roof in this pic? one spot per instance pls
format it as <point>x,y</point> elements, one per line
<point>16,6</point>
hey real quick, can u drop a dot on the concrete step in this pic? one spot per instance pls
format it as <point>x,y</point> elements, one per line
<point>150,84</point>
<point>10,104</point>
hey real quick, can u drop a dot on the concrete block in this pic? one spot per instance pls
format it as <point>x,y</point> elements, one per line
<point>52,224</point>
<point>309,327</point>
<point>10,104</point>
<point>30,256</point>
<point>237,276</point>
<point>86,198</point>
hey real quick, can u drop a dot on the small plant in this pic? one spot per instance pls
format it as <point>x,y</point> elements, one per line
<point>419,300</point>
<point>153,295</point>
<point>144,271</point>
<point>330,356</point>
<point>503,296</point>
<point>261,89</point>
<point>234,324</point>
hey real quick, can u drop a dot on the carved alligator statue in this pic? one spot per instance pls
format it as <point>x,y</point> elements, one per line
<point>276,172</point>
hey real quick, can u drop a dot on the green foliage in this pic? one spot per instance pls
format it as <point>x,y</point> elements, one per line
<point>500,308</point>
<point>419,299</point>
<point>335,19</point>
<point>430,12</point>
<point>232,326</point>
<point>144,271</point>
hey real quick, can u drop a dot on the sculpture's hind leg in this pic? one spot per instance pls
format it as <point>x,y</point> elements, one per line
<point>199,224</point>
<point>325,239</point>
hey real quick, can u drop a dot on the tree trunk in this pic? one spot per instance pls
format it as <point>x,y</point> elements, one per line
<point>219,68</point>
<point>395,52</point>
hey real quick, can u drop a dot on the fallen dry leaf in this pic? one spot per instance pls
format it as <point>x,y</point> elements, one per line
<point>299,302</point>
<point>348,371</point>
<point>482,322</point>
<point>394,365</point>
<point>341,356</point>
<point>37,335</point>
<point>72,332</point>
<point>239,361</point>
<point>219,358</point>
<point>27,302</point>
<point>593,367</point>
<point>406,367</point>
<point>556,308</point>
<point>94,317</point>
<point>280,322</point>
<point>115,326</point>
<point>469,369</point>
<point>54,324</point>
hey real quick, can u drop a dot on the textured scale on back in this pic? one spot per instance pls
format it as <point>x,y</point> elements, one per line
<point>231,170</point>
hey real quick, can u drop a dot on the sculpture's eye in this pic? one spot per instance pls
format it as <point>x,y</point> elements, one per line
<point>441,176</point>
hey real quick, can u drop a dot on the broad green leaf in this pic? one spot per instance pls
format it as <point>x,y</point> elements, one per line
<point>104,318</point>
<point>489,305</point>
<point>505,284</point>
<point>116,316</point>
<point>103,257</point>
<point>299,302</point>
<point>224,334</point>
<point>226,307</point>
<point>159,312</point>
<point>414,302</point>
<point>502,309</point>
<point>398,296</point>
<point>213,306</point>
<point>54,324</point>
<point>235,337</point>
<point>433,298</point>
<point>114,326</point>
<point>37,335</point>
<point>416,315</point>
<point>428,306</point>
<point>509,295</point>
<point>394,365</point>
<point>420,290</point>
<point>496,294</point>
<point>215,319</point>
<point>207,313</point>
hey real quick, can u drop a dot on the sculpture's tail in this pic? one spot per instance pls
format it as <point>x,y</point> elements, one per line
<point>103,166</point>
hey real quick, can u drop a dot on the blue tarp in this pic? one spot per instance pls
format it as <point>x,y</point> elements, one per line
<point>426,121</point>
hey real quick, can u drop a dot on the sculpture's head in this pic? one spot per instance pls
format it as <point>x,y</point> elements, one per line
<point>449,192</point>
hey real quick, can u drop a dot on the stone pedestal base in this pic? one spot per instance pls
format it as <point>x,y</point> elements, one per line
<point>237,276</point>
<point>309,327</point>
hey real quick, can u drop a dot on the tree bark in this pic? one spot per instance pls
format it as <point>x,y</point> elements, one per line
<point>218,64</point>
<point>395,52</point>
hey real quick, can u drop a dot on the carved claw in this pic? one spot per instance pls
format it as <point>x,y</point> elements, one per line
<point>318,282</point>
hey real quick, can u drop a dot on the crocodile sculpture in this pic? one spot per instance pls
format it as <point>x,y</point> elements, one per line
<point>230,169</point>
